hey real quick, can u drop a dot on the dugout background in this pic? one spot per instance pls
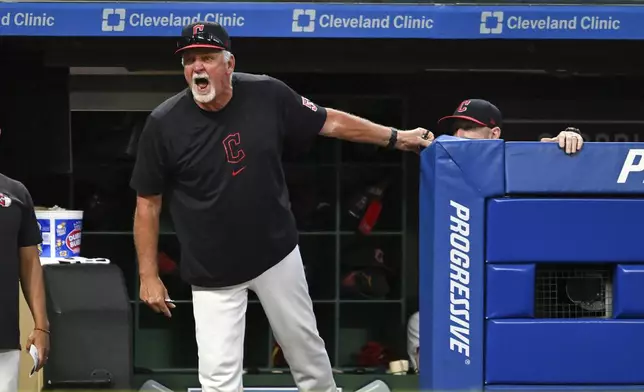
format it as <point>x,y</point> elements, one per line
<point>66,130</point>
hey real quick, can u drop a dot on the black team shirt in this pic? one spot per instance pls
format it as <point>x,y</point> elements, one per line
<point>18,228</point>
<point>221,173</point>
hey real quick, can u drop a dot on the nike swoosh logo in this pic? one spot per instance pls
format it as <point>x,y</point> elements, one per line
<point>235,172</point>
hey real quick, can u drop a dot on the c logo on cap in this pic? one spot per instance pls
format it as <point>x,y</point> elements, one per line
<point>196,29</point>
<point>463,106</point>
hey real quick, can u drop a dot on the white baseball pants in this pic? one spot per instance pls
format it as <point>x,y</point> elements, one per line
<point>9,370</point>
<point>413,340</point>
<point>220,320</point>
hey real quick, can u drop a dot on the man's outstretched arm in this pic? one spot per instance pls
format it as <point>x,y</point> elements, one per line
<point>345,126</point>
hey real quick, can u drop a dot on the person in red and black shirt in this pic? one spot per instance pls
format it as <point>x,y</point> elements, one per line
<point>19,266</point>
<point>213,153</point>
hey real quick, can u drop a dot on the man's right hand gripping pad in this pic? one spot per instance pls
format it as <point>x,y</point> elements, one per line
<point>456,176</point>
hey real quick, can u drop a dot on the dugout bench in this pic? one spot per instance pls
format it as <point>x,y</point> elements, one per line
<point>531,266</point>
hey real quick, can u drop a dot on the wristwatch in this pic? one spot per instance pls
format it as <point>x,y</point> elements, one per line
<point>392,139</point>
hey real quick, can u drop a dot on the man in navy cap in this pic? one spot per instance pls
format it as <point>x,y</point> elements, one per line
<point>479,119</point>
<point>213,153</point>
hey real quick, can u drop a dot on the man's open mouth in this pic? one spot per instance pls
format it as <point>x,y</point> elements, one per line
<point>202,83</point>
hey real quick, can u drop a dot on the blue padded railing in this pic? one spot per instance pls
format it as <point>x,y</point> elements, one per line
<point>492,213</point>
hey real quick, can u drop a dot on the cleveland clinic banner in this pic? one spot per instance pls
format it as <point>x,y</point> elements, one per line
<point>302,20</point>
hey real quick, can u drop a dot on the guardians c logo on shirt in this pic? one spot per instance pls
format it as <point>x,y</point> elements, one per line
<point>309,104</point>
<point>5,201</point>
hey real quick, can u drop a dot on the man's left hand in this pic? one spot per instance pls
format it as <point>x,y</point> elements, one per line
<point>569,140</point>
<point>414,140</point>
<point>40,339</point>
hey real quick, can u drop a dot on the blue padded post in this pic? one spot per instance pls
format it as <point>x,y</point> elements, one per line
<point>510,291</point>
<point>628,289</point>
<point>599,168</point>
<point>456,177</point>
<point>566,351</point>
<point>595,230</point>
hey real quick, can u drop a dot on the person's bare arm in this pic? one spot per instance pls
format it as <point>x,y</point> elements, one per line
<point>304,119</point>
<point>352,128</point>
<point>33,285</point>
<point>33,288</point>
<point>146,234</point>
<point>146,238</point>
